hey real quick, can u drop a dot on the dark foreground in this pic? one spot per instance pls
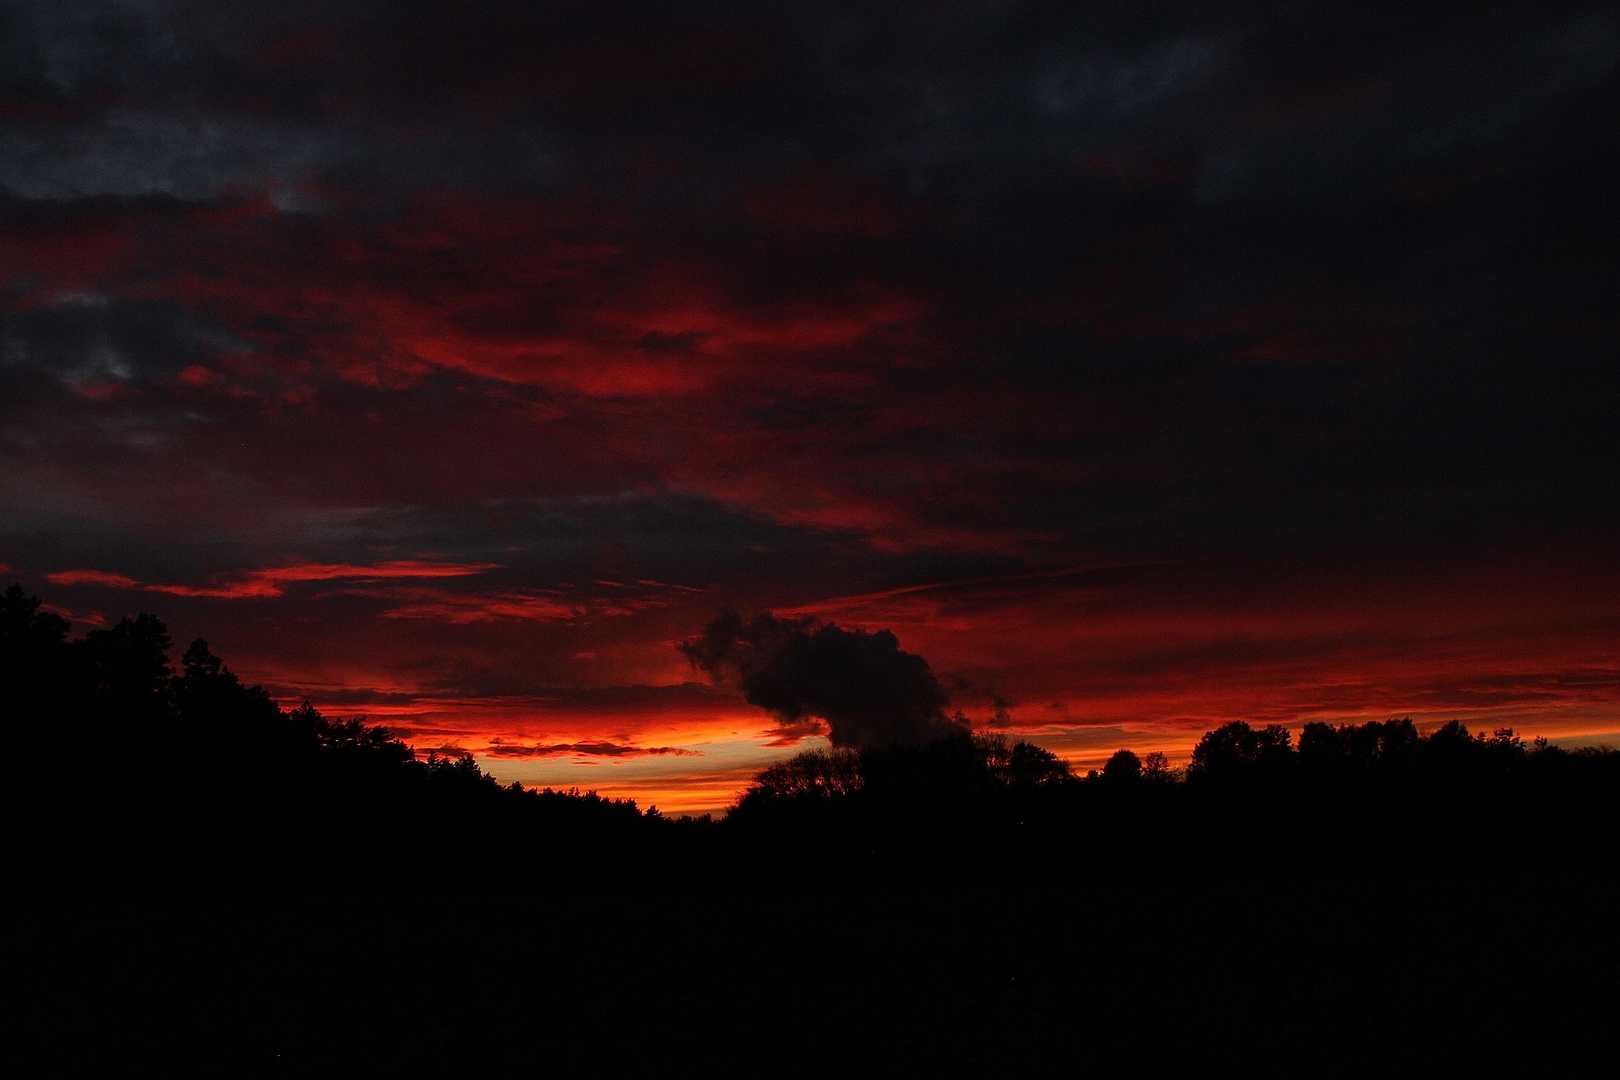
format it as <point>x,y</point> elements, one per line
<point>216,885</point>
<point>1321,977</point>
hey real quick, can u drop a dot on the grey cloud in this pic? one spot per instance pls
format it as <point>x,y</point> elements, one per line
<point>1464,92</point>
<point>194,155</point>
<point>77,337</point>
<point>191,155</point>
<point>1127,86</point>
<point>869,691</point>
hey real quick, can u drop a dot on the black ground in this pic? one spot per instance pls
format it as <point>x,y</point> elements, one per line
<point>1320,976</point>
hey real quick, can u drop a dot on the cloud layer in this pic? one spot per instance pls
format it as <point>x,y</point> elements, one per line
<point>635,316</point>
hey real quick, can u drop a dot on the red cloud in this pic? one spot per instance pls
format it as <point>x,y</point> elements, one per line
<point>593,748</point>
<point>652,362</point>
<point>92,577</point>
<point>272,581</point>
<point>480,607</point>
<point>197,375</point>
<point>506,290</point>
<point>68,251</point>
<point>1189,646</point>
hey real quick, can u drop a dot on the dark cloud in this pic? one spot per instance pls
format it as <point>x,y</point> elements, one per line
<point>867,690</point>
<point>966,690</point>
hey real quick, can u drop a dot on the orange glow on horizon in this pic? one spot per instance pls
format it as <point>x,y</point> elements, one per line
<point>1089,661</point>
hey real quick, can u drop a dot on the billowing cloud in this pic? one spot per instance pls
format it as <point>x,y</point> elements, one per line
<point>867,690</point>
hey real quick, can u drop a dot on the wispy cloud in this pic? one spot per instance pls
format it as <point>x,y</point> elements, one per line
<point>607,599</point>
<point>93,577</point>
<point>273,581</point>
<point>594,748</point>
<point>461,609</point>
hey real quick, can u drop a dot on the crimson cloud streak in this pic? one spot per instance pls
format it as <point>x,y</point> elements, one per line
<point>1141,368</point>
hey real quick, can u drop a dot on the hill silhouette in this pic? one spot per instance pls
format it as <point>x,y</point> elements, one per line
<point>206,879</point>
<point>191,775</point>
<point>190,772</point>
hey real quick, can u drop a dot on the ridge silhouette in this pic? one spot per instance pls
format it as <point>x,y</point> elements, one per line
<point>191,773</point>
<point>265,891</point>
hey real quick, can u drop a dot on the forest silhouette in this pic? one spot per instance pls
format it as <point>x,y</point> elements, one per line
<point>190,773</point>
<point>210,880</point>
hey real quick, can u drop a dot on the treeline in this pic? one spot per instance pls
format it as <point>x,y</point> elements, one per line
<point>151,771</point>
<point>1374,797</point>
<point>138,770</point>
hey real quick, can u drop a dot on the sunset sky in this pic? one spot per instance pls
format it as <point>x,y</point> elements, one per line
<point>1142,366</point>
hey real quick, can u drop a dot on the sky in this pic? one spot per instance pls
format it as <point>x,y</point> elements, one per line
<point>1141,367</point>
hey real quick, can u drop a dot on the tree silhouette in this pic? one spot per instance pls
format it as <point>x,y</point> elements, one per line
<point>129,666</point>
<point>1031,766</point>
<point>810,774</point>
<point>1156,768</point>
<point>1237,752</point>
<point>196,773</point>
<point>33,653</point>
<point>1124,767</point>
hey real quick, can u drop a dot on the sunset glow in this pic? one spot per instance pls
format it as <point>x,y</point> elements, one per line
<point>1140,372</point>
